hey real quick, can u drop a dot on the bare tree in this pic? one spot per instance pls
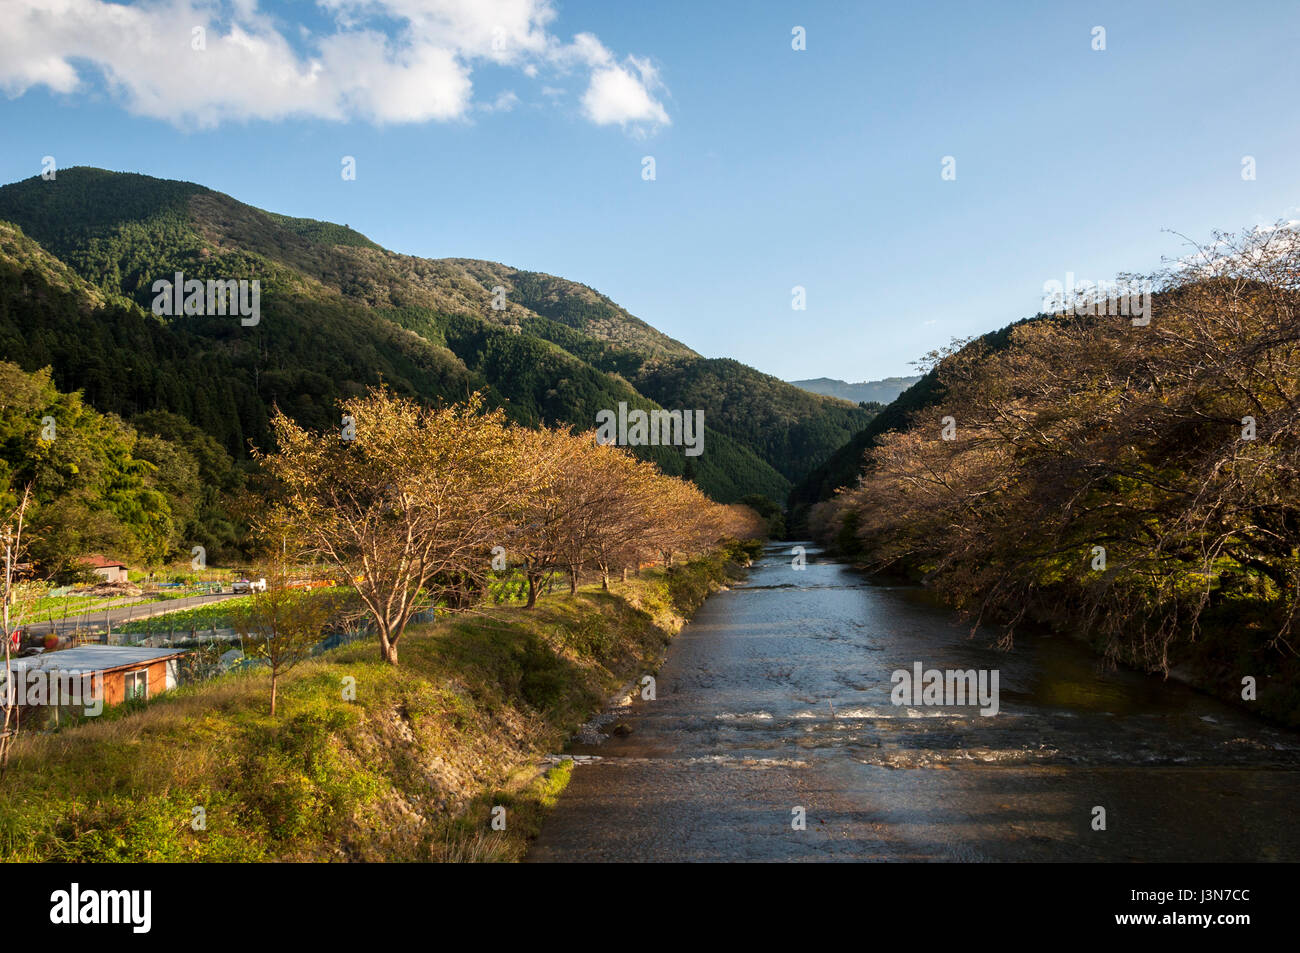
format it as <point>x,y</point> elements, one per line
<point>282,624</point>
<point>14,599</point>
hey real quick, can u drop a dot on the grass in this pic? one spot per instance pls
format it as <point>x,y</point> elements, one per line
<point>409,770</point>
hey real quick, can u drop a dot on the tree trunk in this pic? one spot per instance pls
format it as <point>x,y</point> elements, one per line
<point>625,574</point>
<point>9,734</point>
<point>275,678</point>
<point>573,582</point>
<point>604,579</point>
<point>532,591</point>
<point>387,648</point>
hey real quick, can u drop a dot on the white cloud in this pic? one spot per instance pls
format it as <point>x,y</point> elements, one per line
<point>383,61</point>
<point>504,103</point>
<point>615,95</point>
<point>586,48</point>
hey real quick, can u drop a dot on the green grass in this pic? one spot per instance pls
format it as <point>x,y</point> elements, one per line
<point>409,770</point>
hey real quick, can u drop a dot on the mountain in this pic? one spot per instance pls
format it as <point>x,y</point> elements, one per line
<point>845,464</point>
<point>339,313</point>
<point>868,392</point>
<point>781,424</point>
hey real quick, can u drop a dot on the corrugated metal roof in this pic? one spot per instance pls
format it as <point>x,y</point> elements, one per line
<point>92,658</point>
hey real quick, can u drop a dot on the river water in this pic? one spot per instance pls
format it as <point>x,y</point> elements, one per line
<point>776,699</point>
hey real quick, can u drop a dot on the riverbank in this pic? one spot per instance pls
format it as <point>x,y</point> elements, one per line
<point>410,769</point>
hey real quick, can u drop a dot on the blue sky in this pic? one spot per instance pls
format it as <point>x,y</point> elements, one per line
<point>774,167</point>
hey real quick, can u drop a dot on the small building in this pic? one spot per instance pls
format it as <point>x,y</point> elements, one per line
<point>109,569</point>
<point>128,671</point>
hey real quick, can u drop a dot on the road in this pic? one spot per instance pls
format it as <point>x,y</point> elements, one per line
<point>120,616</point>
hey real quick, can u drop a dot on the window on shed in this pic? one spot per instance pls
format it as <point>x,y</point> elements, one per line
<point>137,684</point>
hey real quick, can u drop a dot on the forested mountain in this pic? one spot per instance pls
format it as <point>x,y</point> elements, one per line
<point>864,392</point>
<point>843,467</point>
<point>339,314</point>
<point>790,429</point>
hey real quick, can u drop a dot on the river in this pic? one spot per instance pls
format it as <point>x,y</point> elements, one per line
<point>775,699</point>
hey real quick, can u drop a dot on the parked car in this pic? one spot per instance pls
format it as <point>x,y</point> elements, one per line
<point>249,585</point>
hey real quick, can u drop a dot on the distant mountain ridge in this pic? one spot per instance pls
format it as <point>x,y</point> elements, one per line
<point>881,392</point>
<point>340,314</point>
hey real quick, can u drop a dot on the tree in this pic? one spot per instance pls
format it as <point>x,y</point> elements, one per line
<point>407,506</point>
<point>91,490</point>
<point>16,599</point>
<point>283,624</point>
<point>542,532</point>
<point>684,520</point>
<point>1125,476</point>
<point>742,521</point>
<point>624,508</point>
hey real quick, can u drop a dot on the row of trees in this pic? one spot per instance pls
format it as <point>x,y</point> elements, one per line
<point>417,505</point>
<point>1126,476</point>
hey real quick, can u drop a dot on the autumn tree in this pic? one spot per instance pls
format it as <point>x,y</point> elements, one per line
<point>685,519</point>
<point>547,532</point>
<point>741,521</point>
<point>406,500</point>
<point>1129,475</point>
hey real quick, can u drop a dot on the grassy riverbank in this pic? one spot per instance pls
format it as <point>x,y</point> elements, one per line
<point>409,770</point>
